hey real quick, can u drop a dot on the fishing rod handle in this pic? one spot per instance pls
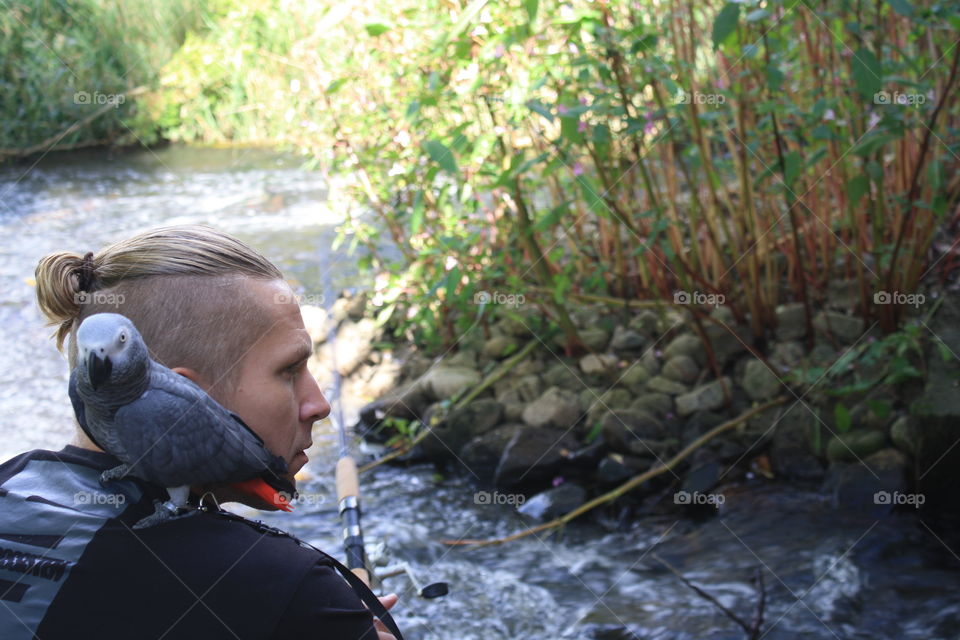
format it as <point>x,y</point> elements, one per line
<point>348,498</point>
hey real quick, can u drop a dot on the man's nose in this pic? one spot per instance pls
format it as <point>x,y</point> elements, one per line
<point>315,406</point>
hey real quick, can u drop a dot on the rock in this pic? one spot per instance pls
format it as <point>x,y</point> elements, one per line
<point>725,344</point>
<point>554,502</point>
<point>842,294</point>
<point>844,329</point>
<point>465,357</point>
<point>705,397</point>
<point>443,382</point>
<point>520,389</point>
<point>660,450</point>
<point>408,401</point>
<point>414,366</point>
<point>759,383</point>
<point>635,377</point>
<point>656,404</point>
<point>598,365</point>
<point>645,324</point>
<point>561,375</point>
<point>462,425</point>
<point>357,306</point>
<point>905,435</point>
<point>701,479</point>
<point>555,408</point>
<point>785,356</point>
<point>616,467</point>
<point>533,455</point>
<point>621,427</point>
<point>499,347</point>
<point>481,456</point>
<point>663,385</point>
<point>354,343</point>
<point>528,366</point>
<point>681,369</point>
<point>855,445</point>
<point>595,338</point>
<point>650,362</point>
<point>791,321</point>
<point>596,402</point>
<point>870,488</point>
<point>513,412</point>
<point>723,314</point>
<point>626,340</point>
<point>686,345</point>
<point>791,451</point>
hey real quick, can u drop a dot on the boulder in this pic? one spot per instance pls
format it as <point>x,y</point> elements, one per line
<point>635,377</point>
<point>656,404</point>
<point>354,343</point>
<point>532,456</point>
<point>682,369</point>
<point>615,468</point>
<point>554,502</point>
<point>843,328</point>
<point>462,425</point>
<point>791,451</point>
<point>686,345</point>
<point>791,321</point>
<point>443,382</point>
<point>499,347</point>
<point>661,384</point>
<point>626,340</point>
<point>595,338</point>
<point>759,382</point>
<point>870,488</point>
<point>563,376</point>
<point>601,365</point>
<point>621,427</point>
<point>705,397</point>
<point>855,445</point>
<point>557,408</point>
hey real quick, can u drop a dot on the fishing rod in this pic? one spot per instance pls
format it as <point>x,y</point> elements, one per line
<point>348,487</point>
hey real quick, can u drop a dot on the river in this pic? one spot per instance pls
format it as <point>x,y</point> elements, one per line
<point>828,574</point>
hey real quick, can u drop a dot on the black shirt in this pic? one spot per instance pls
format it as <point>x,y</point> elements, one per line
<point>71,566</point>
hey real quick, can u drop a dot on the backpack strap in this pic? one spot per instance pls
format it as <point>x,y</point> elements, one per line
<point>362,590</point>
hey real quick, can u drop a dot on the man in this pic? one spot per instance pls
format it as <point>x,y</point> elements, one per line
<point>214,310</point>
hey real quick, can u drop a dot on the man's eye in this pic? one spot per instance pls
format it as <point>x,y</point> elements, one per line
<point>292,369</point>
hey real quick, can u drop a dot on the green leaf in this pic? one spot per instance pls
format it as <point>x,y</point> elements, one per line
<point>569,129</point>
<point>903,7</point>
<point>880,409</point>
<point>842,416</point>
<point>857,187</point>
<point>872,141</point>
<point>530,6</point>
<point>552,217</point>
<point>416,219</point>
<point>440,154</point>
<point>867,73</point>
<point>792,165</point>
<point>376,28</point>
<point>538,107</point>
<point>725,23</point>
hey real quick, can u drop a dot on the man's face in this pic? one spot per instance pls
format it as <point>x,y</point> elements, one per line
<point>274,392</point>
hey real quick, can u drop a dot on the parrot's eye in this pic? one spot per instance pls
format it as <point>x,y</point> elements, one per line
<point>123,337</point>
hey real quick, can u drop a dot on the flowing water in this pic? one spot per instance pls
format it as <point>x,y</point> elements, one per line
<point>827,574</point>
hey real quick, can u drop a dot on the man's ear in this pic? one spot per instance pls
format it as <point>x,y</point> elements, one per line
<point>195,377</point>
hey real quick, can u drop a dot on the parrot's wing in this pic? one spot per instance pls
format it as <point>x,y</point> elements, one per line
<point>78,408</point>
<point>176,434</point>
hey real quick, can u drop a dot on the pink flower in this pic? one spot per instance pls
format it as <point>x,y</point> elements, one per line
<point>498,52</point>
<point>557,481</point>
<point>562,109</point>
<point>577,169</point>
<point>581,126</point>
<point>649,126</point>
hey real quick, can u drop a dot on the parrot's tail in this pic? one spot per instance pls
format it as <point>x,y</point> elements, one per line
<point>277,496</point>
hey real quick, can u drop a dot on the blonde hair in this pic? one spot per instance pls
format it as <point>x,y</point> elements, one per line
<point>183,286</point>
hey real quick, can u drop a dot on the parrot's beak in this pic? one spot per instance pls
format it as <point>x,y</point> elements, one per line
<point>98,370</point>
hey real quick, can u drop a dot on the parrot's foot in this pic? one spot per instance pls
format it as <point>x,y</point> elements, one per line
<point>165,511</point>
<point>113,474</point>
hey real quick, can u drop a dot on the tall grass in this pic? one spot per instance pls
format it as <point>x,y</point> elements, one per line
<point>61,60</point>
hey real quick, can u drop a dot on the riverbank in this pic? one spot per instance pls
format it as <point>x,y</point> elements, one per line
<point>547,433</point>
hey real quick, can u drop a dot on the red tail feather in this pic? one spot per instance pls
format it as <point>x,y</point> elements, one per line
<point>259,488</point>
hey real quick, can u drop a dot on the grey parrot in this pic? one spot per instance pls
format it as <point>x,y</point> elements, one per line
<point>162,426</point>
